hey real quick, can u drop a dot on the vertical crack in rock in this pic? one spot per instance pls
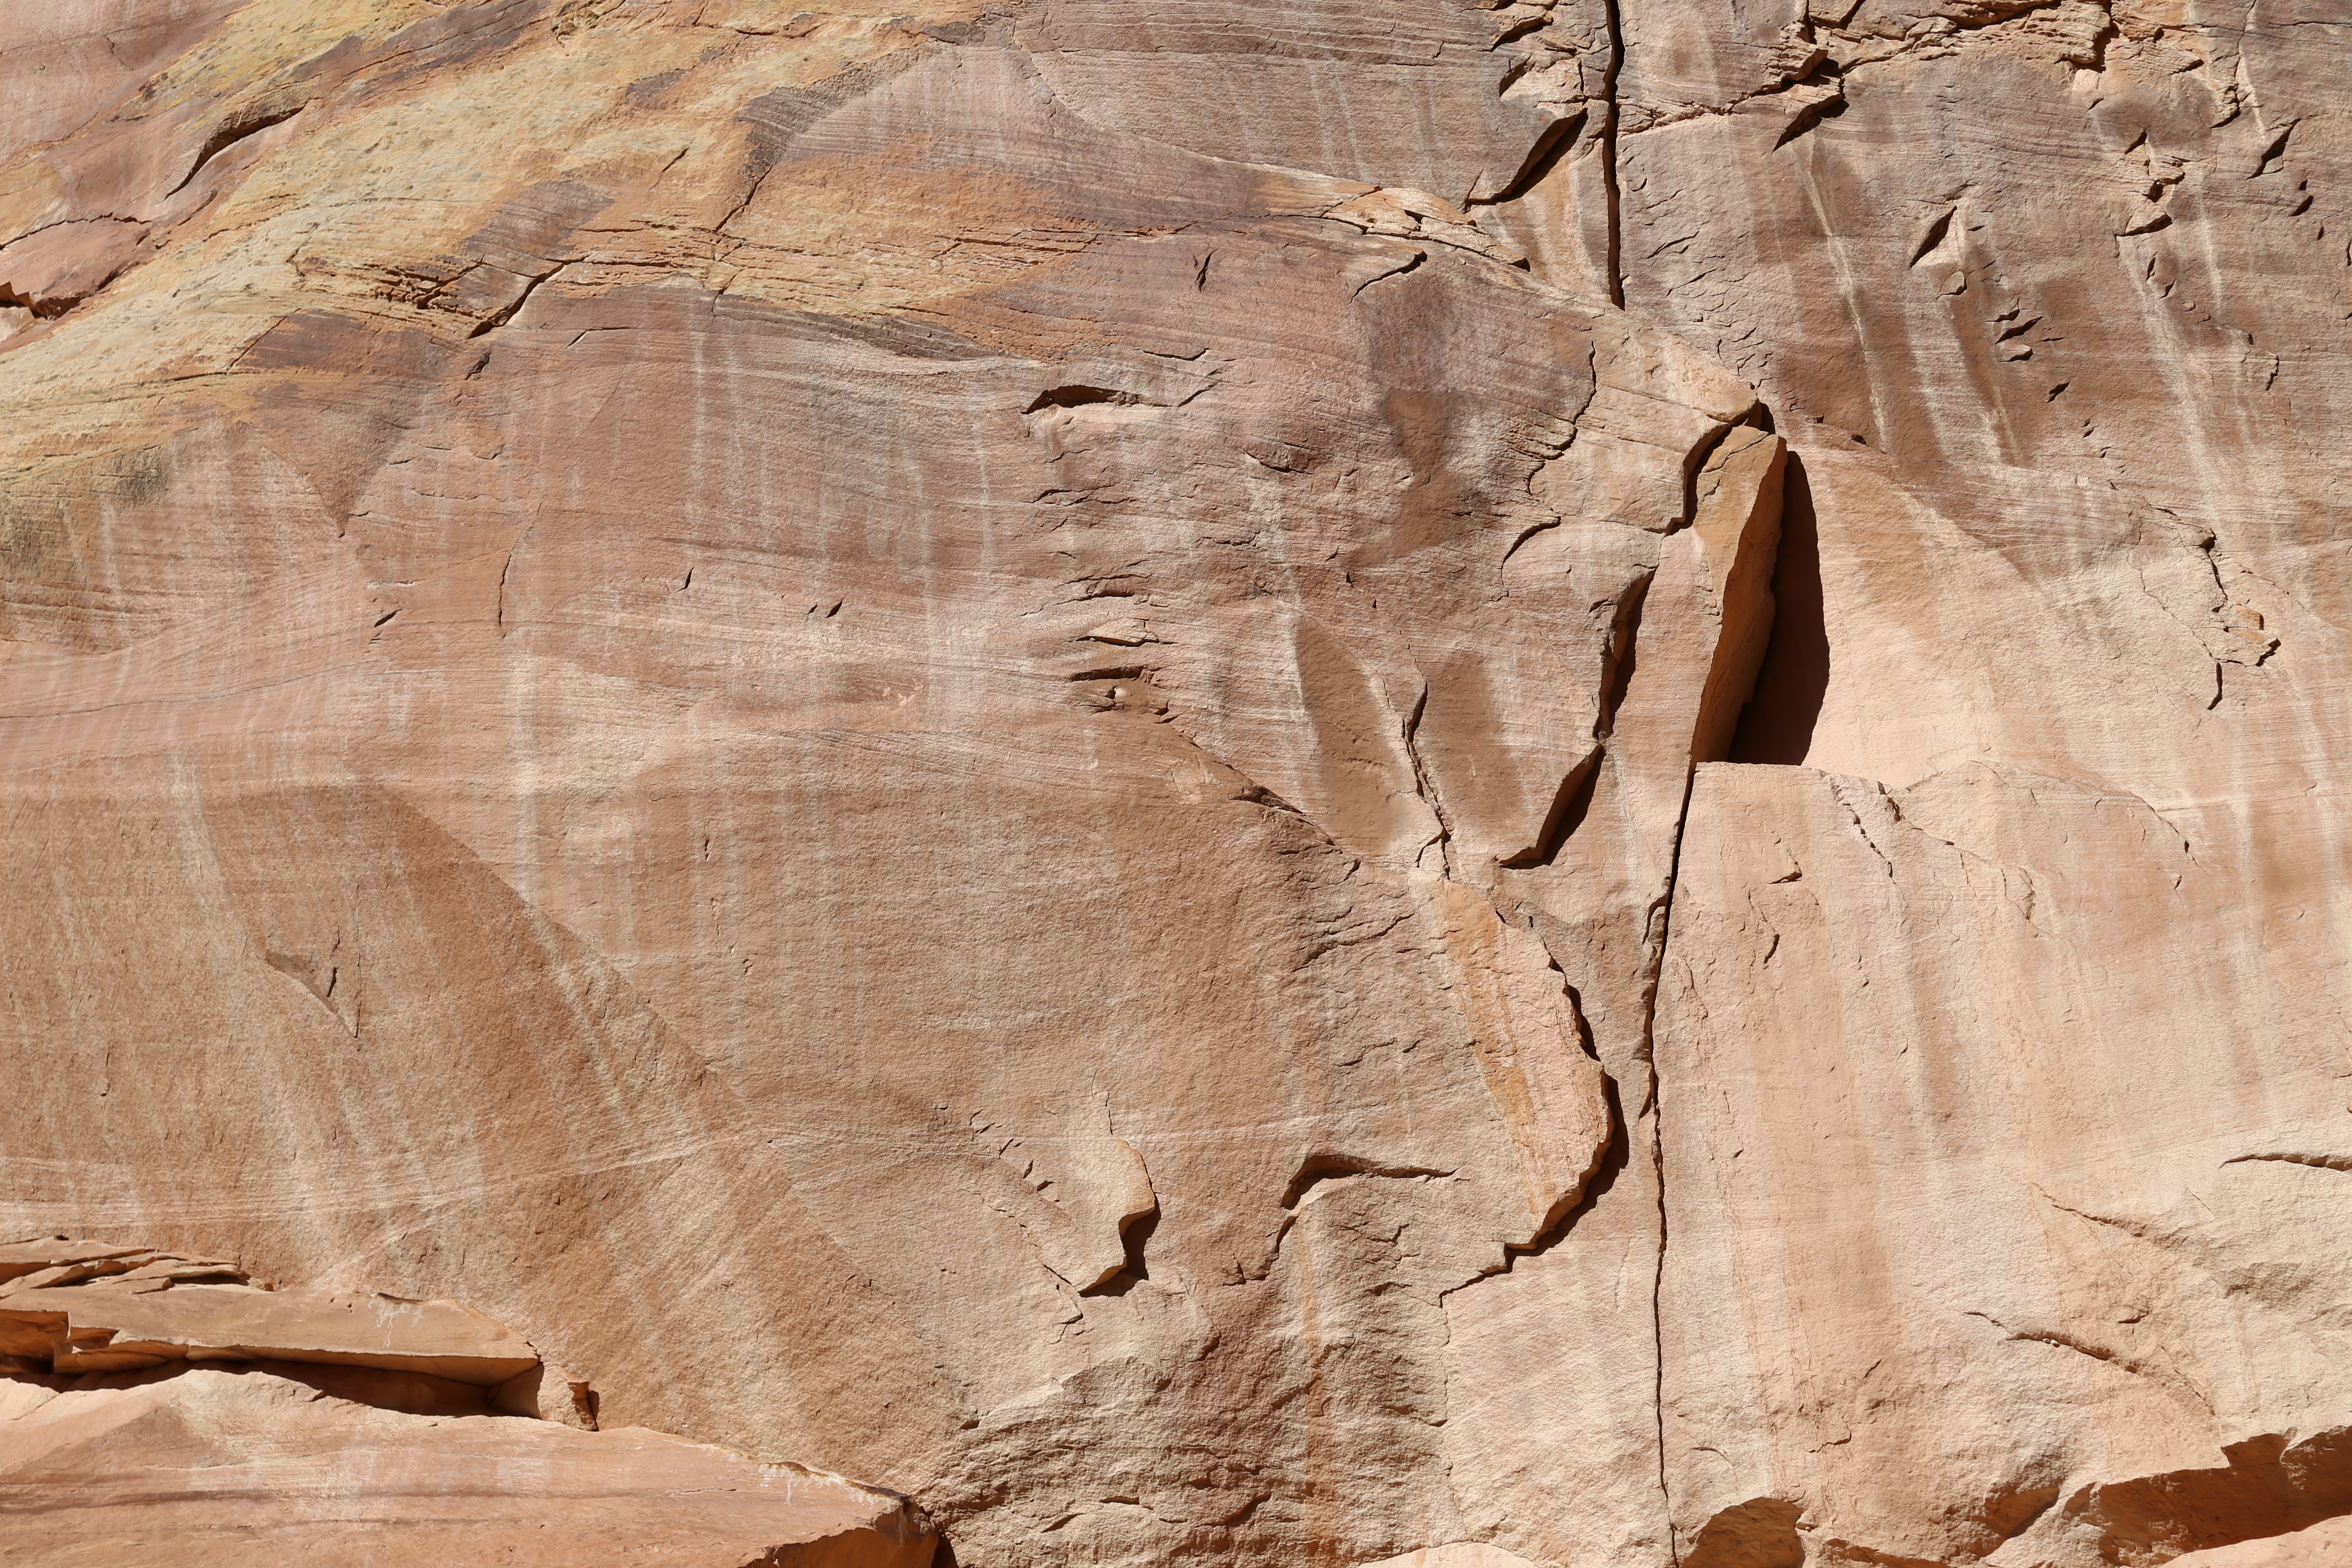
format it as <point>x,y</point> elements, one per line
<point>1426,786</point>
<point>1557,1227</point>
<point>1696,464</point>
<point>663,925</point>
<point>1714,576</point>
<point>1687,643</point>
<point>1549,1094</point>
<point>1608,123</point>
<point>1619,663</point>
<point>1658,1165</point>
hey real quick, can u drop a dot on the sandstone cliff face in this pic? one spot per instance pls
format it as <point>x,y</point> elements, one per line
<point>1429,782</point>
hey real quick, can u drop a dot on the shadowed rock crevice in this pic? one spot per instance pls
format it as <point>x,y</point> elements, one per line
<point>1135,1236</point>
<point>1776,724</point>
<point>252,122</point>
<point>1549,148</point>
<point>1321,1168</point>
<point>1563,1226</point>
<point>1624,654</point>
<point>1828,103</point>
<point>1761,1534</point>
<point>1568,808</point>
<point>2270,1486</point>
<point>1612,125</point>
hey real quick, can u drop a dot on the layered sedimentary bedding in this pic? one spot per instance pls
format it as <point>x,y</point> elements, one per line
<point>1430,783</point>
<point>160,1408</point>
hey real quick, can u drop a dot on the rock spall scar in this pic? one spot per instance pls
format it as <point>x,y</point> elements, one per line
<point>1447,784</point>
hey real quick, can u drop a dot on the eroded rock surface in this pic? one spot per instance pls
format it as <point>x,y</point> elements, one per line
<point>75,1307</point>
<point>1445,782</point>
<point>263,1463</point>
<point>159,1406</point>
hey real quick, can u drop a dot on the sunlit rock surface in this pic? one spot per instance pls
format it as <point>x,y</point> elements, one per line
<point>163,1408</point>
<point>1426,781</point>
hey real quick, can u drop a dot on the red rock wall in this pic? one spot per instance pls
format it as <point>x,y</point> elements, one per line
<point>1293,782</point>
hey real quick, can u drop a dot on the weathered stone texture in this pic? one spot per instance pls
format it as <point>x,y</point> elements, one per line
<point>1438,782</point>
<point>273,1463</point>
<point>161,1407</point>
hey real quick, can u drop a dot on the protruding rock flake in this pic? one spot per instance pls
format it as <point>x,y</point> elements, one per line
<point>157,1403</point>
<point>1379,783</point>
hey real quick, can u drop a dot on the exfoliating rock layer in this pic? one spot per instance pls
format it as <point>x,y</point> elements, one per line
<point>155,1408</point>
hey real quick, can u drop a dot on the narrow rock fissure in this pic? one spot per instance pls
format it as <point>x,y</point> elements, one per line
<point>1663,918</point>
<point>1809,116</point>
<point>1399,271</point>
<point>1609,149</point>
<point>1134,1236</point>
<point>1658,1165</point>
<point>1620,661</point>
<point>1425,786</point>
<point>1693,464</point>
<point>1574,798</point>
<point>1776,726</point>
<point>2317,1162</point>
<point>1934,237</point>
